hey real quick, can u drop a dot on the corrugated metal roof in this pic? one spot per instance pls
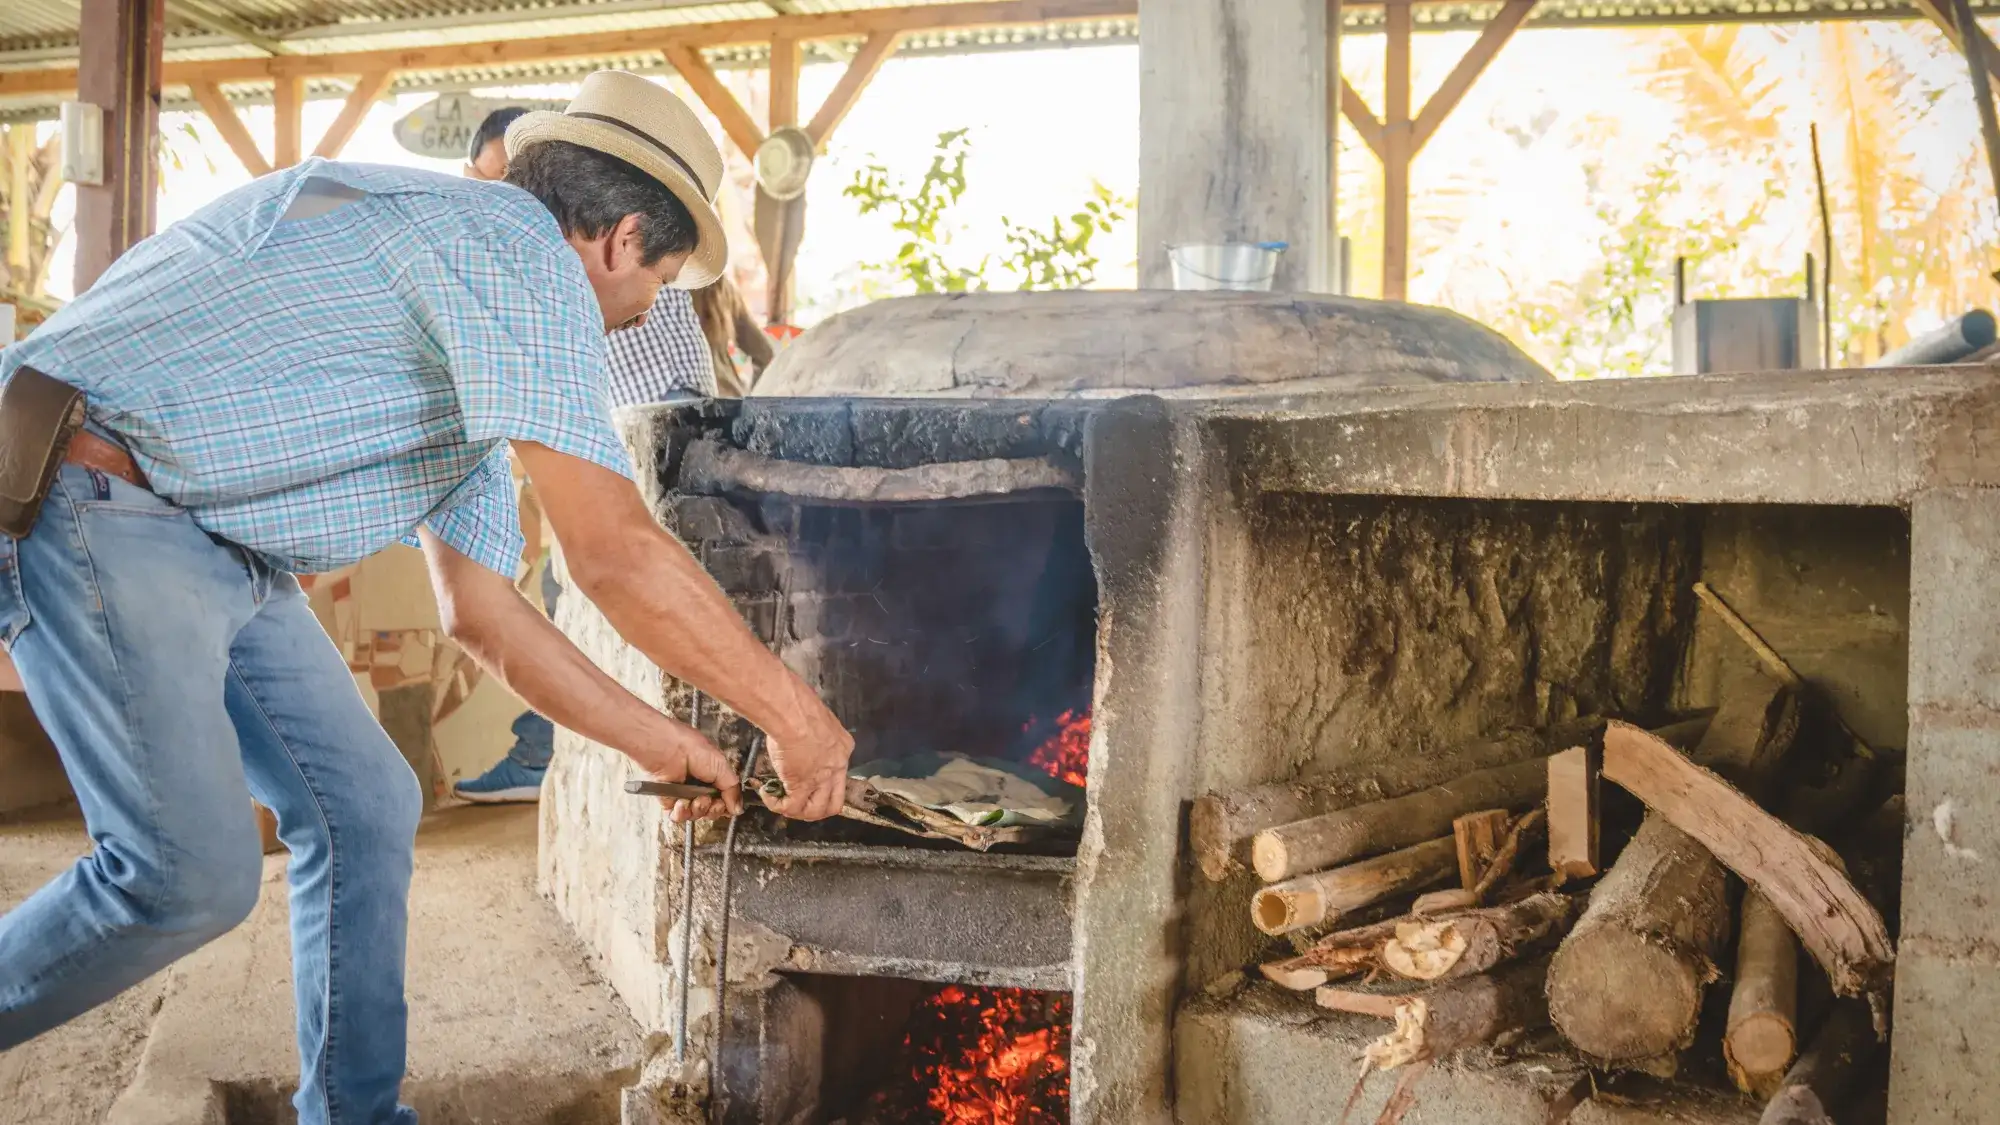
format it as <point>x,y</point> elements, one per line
<point>42,33</point>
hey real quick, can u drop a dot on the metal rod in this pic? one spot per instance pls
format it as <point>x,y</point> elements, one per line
<point>722,935</point>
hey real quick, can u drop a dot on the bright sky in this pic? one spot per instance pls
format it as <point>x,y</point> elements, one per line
<point>1507,173</point>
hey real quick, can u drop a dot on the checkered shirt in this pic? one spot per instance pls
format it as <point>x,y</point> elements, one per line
<point>314,389</point>
<point>664,356</point>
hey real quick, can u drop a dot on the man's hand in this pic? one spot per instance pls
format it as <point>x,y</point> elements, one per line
<point>482,612</point>
<point>663,603</point>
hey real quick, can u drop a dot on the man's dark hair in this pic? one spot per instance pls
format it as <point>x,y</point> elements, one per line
<point>589,192</point>
<point>492,129</point>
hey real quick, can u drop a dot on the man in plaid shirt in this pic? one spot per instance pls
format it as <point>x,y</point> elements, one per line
<point>316,365</point>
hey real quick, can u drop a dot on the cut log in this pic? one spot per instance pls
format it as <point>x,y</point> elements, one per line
<point>1333,838</point>
<point>1310,900</point>
<point>1761,1036</point>
<point>1477,940</point>
<point>1833,920</point>
<point>1453,1016</point>
<point>1574,809</point>
<point>1478,837</point>
<point>1625,987</point>
<point>1828,1071</point>
<point>1220,825</point>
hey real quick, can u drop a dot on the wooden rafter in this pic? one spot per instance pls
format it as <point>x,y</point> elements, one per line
<point>288,104</point>
<point>700,77</point>
<point>20,153</point>
<point>822,25</point>
<point>366,90</point>
<point>869,59</point>
<point>784,71</point>
<point>1355,108</point>
<point>1499,29</point>
<point>223,116</point>
<point>1940,14</point>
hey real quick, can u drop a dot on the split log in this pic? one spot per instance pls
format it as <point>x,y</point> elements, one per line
<point>1478,837</point>
<point>1310,900</point>
<point>1451,1017</point>
<point>1574,810</point>
<point>1761,1034</point>
<point>1825,1075</point>
<point>1833,920</point>
<point>1477,940</point>
<point>1336,955</point>
<point>1508,854</point>
<point>1333,838</point>
<point>1625,987</point>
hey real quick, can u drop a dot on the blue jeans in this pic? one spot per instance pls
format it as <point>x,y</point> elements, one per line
<point>179,677</point>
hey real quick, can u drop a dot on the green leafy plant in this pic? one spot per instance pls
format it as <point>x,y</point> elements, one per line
<point>1057,254</point>
<point>1060,255</point>
<point>920,214</point>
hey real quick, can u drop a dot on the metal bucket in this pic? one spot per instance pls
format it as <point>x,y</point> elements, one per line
<point>1249,266</point>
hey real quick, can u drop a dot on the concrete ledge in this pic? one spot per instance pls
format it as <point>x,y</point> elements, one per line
<point>1266,1057</point>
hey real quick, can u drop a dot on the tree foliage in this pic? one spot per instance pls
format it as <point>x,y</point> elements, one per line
<point>1056,254</point>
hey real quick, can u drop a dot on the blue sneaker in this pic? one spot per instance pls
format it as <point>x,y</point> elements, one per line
<point>508,782</point>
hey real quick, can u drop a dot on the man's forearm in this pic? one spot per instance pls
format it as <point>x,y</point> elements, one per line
<point>665,605</point>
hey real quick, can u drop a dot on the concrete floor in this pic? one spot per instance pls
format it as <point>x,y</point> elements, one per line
<point>508,1023</point>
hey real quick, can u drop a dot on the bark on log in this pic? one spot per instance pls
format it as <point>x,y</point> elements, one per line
<point>1453,1016</point>
<point>1475,941</point>
<point>1220,825</point>
<point>1761,1035</point>
<point>1322,841</point>
<point>1827,1072</point>
<point>1313,899</point>
<point>1626,986</point>
<point>1844,933</point>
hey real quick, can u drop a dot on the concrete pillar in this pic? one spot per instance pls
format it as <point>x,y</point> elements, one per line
<point>1946,1065</point>
<point>118,70</point>
<point>1236,133</point>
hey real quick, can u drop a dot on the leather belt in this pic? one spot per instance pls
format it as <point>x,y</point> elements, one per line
<point>93,452</point>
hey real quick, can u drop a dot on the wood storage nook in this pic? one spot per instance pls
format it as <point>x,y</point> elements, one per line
<point>1422,653</point>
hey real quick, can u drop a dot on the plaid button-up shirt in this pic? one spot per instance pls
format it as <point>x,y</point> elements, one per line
<point>316,388</point>
<point>665,356</point>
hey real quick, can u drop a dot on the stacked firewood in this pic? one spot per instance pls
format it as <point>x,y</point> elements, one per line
<point>1618,957</point>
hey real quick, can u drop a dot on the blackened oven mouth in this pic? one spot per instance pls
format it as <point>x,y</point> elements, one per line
<point>949,632</point>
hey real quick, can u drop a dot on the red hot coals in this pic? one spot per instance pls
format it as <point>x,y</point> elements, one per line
<point>1065,755</point>
<point>982,1056</point>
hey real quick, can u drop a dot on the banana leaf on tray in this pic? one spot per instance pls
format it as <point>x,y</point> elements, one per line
<point>977,802</point>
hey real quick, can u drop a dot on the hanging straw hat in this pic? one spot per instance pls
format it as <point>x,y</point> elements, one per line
<point>623,115</point>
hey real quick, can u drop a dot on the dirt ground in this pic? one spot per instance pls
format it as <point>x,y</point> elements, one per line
<point>508,1023</point>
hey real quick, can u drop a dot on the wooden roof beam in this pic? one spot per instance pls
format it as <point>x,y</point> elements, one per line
<point>235,134</point>
<point>824,25</point>
<point>210,18</point>
<point>700,77</point>
<point>1940,14</point>
<point>1499,29</point>
<point>867,61</point>
<point>367,90</point>
<point>1355,108</point>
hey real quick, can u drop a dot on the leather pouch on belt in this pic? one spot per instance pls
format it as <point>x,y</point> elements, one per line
<point>38,416</point>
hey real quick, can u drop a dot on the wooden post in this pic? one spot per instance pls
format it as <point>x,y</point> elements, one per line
<point>785,62</point>
<point>780,225</point>
<point>20,154</point>
<point>1397,150</point>
<point>118,70</point>
<point>1251,166</point>
<point>288,105</point>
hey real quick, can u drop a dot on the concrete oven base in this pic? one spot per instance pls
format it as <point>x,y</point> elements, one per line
<point>1265,1057</point>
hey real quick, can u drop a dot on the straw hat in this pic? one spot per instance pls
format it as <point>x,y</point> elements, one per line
<point>623,115</point>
